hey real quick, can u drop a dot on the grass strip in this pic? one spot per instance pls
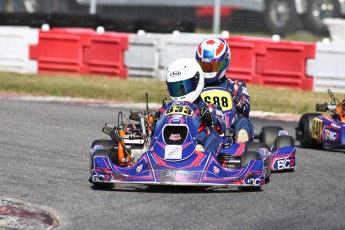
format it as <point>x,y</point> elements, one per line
<point>281,100</point>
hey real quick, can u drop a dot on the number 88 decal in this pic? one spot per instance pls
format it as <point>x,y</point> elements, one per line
<point>219,97</point>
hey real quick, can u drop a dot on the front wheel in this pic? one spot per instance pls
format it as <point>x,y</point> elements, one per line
<point>269,134</point>
<point>304,131</point>
<point>283,141</point>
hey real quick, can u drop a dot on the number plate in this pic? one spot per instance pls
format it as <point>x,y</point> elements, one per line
<point>179,110</point>
<point>219,97</point>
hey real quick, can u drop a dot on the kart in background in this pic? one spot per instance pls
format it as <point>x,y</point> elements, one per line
<point>315,130</point>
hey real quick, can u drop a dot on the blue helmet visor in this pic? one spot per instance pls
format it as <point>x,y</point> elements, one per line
<point>209,67</point>
<point>182,88</point>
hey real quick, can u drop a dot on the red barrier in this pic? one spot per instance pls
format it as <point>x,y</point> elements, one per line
<point>61,50</point>
<point>285,65</point>
<point>105,54</point>
<point>80,51</point>
<point>246,52</point>
<point>265,62</point>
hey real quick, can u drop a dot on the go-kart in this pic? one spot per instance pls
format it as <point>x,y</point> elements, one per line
<point>315,130</point>
<point>172,158</point>
<point>168,155</point>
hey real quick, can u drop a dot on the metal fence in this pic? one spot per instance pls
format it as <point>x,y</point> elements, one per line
<point>268,17</point>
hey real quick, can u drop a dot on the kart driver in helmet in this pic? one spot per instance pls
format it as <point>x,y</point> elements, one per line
<point>214,56</point>
<point>185,81</point>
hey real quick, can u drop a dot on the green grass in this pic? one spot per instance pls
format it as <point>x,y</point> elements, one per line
<point>132,90</point>
<point>84,86</point>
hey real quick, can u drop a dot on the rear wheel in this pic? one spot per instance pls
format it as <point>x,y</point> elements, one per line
<point>283,141</point>
<point>304,130</point>
<point>249,156</point>
<point>255,146</point>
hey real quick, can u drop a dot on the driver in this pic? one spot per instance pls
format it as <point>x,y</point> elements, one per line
<point>185,81</point>
<point>214,56</point>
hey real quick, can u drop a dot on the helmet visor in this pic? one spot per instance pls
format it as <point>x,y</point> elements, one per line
<point>184,87</point>
<point>215,66</point>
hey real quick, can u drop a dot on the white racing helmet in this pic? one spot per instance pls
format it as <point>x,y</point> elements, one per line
<point>185,80</point>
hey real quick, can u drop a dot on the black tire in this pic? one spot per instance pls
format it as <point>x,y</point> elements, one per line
<point>107,144</point>
<point>105,153</point>
<point>269,134</point>
<point>304,131</point>
<point>315,14</point>
<point>280,16</point>
<point>249,156</point>
<point>283,141</point>
<point>255,146</point>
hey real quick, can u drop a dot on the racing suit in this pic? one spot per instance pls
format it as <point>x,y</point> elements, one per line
<point>209,137</point>
<point>241,98</point>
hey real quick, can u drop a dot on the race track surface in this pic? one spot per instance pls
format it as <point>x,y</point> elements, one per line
<point>45,163</point>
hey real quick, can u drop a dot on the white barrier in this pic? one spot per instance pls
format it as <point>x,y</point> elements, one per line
<point>142,56</point>
<point>14,49</point>
<point>149,55</point>
<point>336,28</point>
<point>175,46</point>
<point>328,67</point>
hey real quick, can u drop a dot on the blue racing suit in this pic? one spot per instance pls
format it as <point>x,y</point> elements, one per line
<point>209,137</point>
<point>241,98</point>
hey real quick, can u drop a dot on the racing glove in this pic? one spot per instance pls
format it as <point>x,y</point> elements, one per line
<point>242,105</point>
<point>206,116</point>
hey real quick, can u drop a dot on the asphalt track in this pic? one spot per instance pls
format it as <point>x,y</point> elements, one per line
<point>44,162</point>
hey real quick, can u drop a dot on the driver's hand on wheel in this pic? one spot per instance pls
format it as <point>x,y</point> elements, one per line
<point>206,117</point>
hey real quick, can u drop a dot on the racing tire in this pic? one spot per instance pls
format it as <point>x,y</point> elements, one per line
<point>105,153</point>
<point>255,146</point>
<point>304,129</point>
<point>107,144</point>
<point>249,156</point>
<point>283,141</point>
<point>269,134</point>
